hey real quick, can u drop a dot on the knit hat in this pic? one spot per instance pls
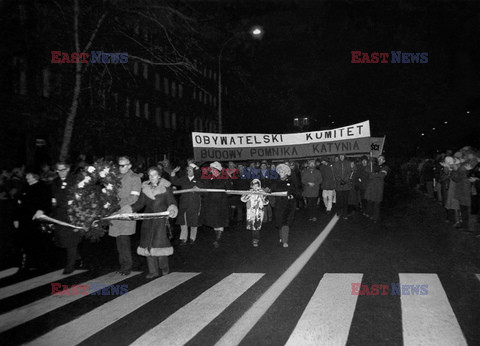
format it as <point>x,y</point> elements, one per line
<point>284,168</point>
<point>217,165</point>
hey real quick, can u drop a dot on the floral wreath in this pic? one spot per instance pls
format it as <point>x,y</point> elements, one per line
<point>94,196</point>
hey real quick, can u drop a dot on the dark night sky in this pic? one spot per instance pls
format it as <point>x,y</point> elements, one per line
<point>302,67</point>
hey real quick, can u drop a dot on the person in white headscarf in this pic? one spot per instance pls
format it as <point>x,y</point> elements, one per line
<point>255,205</point>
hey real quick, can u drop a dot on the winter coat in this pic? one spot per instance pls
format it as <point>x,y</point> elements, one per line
<point>374,191</point>
<point>311,176</point>
<point>284,209</point>
<point>360,178</point>
<point>153,237</point>
<point>342,171</point>
<point>463,186</point>
<point>215,209</point>
<point>33,197</point>
<point>128,194</point>
<point>328,177</point>
<point>190,202</point>
<point>64,237</point>
<point>255,204</point>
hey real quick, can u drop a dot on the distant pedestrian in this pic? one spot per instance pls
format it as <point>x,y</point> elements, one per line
<point>375,186</point>
<point>328,185</point>
<point>311,180</point>
<point>343,172</point>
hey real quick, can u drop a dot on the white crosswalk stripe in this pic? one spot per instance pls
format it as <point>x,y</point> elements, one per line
<point>78,330</point>
<point>38,281</point>
<point>329,313</point>
<point>8,272</point>
<point>183,325</point>
<point>427,319</point>
<point>42,306</point>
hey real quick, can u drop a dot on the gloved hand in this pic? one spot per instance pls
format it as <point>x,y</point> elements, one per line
<point>173,210</point>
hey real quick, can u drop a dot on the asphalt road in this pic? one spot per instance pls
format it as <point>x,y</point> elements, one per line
<point>270,295</point>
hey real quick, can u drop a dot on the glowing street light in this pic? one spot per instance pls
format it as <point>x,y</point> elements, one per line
<point>257,32</point>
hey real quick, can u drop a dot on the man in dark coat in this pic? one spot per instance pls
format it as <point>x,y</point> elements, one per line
<point>35,196</point>
<point>65,237</point>
<point>189,204</point>
<point>343,171</point>
<point>374,192</point>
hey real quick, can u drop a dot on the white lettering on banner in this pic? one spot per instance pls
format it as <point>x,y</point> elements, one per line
<point>255,140</point>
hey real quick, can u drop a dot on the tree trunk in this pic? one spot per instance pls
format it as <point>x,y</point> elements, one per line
<point>69,124</point>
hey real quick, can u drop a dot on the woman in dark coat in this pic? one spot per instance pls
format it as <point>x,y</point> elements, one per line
<point>156,196</point>
<point>189,209</point>
<point>284,207</point>
<point>215,209</point>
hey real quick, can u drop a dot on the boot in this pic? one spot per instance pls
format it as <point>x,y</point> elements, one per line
<point>218,235</point>
<point>163,264</point>
<point>152,263</point>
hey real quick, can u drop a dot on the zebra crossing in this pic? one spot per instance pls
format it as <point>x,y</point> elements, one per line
<point>326,320</point>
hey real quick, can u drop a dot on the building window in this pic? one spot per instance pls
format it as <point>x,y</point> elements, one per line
<point>135,68</point>
<point>127,107</point>
<point>115,102</point>
<point>200,95</point>
<point>194,94</point>
<point>174,89</point>
<point>158,117</point>
<point>180,90</point>
<point>46,82</point>
<point>137,108</point>
<point>165,86</point>
<point>157,81</point>
<point>166,119</point>
<point>181,122</point>
<point>145,71</point>
<point>214,101</point>
<point>145,109</point>
<point>174,121</point>
<point>205,99</point>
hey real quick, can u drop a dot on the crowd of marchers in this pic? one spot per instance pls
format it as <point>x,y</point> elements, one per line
<point>322,185</point>
<point>452,179</point>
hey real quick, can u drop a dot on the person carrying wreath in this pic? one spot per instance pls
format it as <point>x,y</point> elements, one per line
<point>156,196</point>
<point>64,237</point>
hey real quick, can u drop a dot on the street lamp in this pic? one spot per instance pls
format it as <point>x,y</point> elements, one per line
<point>257,33</point>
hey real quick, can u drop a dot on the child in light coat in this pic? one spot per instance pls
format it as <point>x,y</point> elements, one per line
<point>255,205</point>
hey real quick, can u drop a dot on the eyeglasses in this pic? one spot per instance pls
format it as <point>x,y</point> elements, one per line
<point>121,166</point>
<point>61,169</point>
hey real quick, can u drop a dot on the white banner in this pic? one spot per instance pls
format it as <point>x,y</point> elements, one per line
<point>256,140</point>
